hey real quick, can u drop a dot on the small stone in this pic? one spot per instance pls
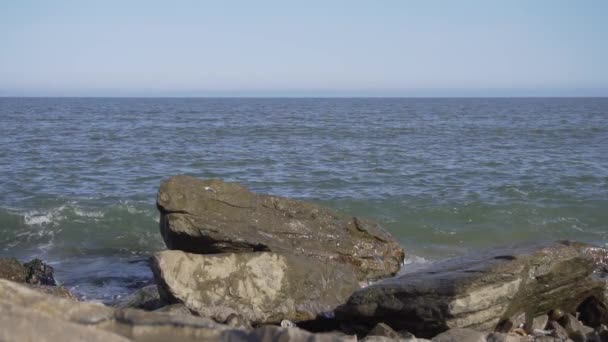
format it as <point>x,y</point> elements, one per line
<point>556,314</point>
<point>537,323</point>
<point>382,329</point>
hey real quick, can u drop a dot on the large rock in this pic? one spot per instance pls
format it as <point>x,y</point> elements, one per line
<point>28,315</point>
<point>211,216</point>
<point>480,290</point>
<point>260,287</point>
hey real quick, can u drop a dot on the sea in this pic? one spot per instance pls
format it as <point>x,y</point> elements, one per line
<point>446,176</point>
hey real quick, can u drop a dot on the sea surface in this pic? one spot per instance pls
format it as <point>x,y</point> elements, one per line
<point>78,176</point>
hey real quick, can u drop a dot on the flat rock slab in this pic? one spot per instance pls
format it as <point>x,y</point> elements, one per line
<point>260,287</point>
<point>212,216</point>
<point>480,290</point>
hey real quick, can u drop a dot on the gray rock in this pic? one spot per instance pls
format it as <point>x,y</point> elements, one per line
<point>537,323</point>
<point>34,272</point>
<point>175,309</point>
<point>382,329</point>
<point>460,335</point>
<point>558,331</point>
<point>211,216</point>
<point>261,287</point>
<point>146,298</point>
<point>272,334</point>
<point>480,290</point>
<point>575,329</point>
<point>502,337</point>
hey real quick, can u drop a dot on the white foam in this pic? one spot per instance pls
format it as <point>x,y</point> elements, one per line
<point>90,214</point>
<point>39,218</point>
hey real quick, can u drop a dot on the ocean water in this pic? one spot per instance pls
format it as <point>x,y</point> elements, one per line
<point>78,177</point>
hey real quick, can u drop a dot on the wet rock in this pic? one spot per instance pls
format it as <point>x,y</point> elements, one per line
<point>39,273</point>
<point>211,216</point>
<point>260,287</point>
<point>34,272</point>
<point>272,333</point>
<point>146,298</point>
<point>460,335</point>
<point>480,290</point>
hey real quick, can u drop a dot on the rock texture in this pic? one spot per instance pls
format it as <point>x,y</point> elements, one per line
<point>480,290</point>
<point>212,216</point>
<point>260,287</point>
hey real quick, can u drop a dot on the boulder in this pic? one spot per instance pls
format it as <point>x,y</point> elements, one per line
<point>482,289</point>
<point>270,333</point>
<point>260,287</point>
<point>212,216</point>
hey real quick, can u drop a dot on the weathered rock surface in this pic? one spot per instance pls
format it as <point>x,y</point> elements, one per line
<point>480,290</point>
<point>211,216</point>
<point>34,272</point>
<point>28,315</point>
<point>260,287</point>
<point>460,335</point>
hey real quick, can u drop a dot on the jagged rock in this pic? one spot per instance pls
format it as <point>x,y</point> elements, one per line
<point>261,287</point>
<point>211,216</point>
<point>146,298</point>
<point>480,290</point>
<point>460,335</point>
<point>39,273</point>
<point>575,329</point>
<point>557,331</point>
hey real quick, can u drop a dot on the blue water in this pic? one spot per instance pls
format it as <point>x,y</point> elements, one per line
<point>78,177</point>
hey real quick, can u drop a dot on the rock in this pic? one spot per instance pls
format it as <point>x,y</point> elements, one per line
<point>272,333</point>
<point>39,273</point>
<point>146,298</point>
<point>460,335</point>
<point>502,337</point>
<point>211,216</point>
<point>34,272</point>
<point>480,290</point>
<point>12,269</point>
<point>537,323</point>
<point>575,329</point>
<point>23,324</point>
<point>593,312</point>
<point>382,329</point>
<point>558,331</point>
<point>261,287</point>
<point>175,309</point>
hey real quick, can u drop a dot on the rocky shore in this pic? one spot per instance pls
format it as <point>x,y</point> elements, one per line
<point>242,266</point>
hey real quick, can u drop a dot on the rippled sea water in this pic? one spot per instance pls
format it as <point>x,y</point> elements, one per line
<point>78,176</point>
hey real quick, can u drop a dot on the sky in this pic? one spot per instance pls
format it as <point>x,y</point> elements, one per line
<point>304,48</point>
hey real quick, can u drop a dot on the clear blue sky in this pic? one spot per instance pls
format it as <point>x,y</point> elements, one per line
<point>304,48</point>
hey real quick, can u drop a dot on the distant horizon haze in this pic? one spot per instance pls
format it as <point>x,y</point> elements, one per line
<point>235,48</point>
